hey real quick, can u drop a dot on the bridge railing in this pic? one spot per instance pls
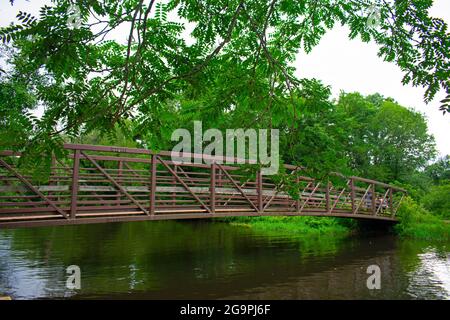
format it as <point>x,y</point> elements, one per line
<point>105,183</point>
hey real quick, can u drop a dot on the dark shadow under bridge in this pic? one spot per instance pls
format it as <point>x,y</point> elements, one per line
<point>97,184</point>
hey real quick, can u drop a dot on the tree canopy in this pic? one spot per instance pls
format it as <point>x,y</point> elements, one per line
<point>198,57</point>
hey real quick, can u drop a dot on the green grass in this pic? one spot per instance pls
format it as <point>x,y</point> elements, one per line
<point>415,222</point>
<point>311,226</point>
<point>418,223</point>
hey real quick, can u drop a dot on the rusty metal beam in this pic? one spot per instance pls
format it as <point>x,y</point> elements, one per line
<point>310,196</point>
<point>384,185</point>
<point>382,202</point>
<point>184,185</point>
<point>153,184</point>
<point>276,192</point>
<point>327,197</point>
<point>352,194</point>
<point>74,190</point>
<point>362,199</point>
<point>32,188</point>
<point>209,196</point>
<point>259,190</point>
<point>212,199</point>
<point>237,186</point>
<point>398,205</point>
<point>114,182</point>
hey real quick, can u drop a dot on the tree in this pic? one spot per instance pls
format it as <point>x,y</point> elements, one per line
<point>357,113</point>
<point>385,141</point>
<point>98,81</point>
<point>437,200</point>
<point>439,171</point>
<point>401,141</point>
<point>15,120</point>
<point>315,141</point>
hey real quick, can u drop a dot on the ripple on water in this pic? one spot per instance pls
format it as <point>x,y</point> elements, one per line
<point>431,279</point>
<point>214,260</point>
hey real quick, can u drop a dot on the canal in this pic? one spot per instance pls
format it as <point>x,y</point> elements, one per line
<point>213,260</point>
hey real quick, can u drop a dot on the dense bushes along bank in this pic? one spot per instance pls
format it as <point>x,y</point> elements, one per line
<point>415,222</point>
<point>310,226</point>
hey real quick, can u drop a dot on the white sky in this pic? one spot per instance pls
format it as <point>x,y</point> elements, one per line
<point>345,65</point>
<point>351,65</point>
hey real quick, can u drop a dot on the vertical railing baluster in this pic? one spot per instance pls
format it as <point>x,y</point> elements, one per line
<point>74,190</point>
<point>299,193</point>
<point>391,201</point>
<point>259,188</point>
<point>327,197</point>
<point>174,183</point>
<point>52,170</point>
<point>119,175</point>
<point>153,184</point>
<point>352,194</point>
<point>374,200</point>
<point>52,179</point>
<point>212,188</point>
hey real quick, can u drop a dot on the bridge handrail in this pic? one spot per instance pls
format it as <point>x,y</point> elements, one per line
<point>116,149</point>
<point>210,185</point>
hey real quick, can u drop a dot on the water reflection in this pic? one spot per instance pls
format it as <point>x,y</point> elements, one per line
<point>432,277</point>
<point>198,259</point>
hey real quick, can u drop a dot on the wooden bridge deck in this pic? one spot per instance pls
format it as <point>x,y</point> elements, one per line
<point>97,184</point>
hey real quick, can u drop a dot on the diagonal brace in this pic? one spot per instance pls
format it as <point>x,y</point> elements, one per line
<point>237,187</point>
<point>184,184</point>
<point>114,182</point>
<point>32,188</point>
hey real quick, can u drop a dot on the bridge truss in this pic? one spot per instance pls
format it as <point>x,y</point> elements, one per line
<point>95,184</point>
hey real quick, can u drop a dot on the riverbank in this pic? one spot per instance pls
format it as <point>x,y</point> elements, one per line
<point>414,222</point>
<point>311,226</point>
<point>418,223</point>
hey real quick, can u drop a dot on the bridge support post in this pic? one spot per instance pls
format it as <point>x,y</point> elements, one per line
<point>212,189</point>
<point>74,190</point>
<point>153,184</point>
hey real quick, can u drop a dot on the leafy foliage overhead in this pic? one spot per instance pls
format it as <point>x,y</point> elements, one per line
<point>218,54</point>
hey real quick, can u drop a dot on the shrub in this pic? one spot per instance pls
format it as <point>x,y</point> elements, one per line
<point>417,222</point>
<point>437,201</point>
<point>294,225</point>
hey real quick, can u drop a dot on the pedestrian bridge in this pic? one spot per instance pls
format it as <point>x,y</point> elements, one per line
<point>98,184</point>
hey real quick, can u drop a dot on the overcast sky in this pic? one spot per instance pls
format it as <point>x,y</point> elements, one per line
<point>351,65</point>
<point>345,65</point>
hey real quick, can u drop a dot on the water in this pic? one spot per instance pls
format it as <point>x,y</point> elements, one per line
<point>207,260</point>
